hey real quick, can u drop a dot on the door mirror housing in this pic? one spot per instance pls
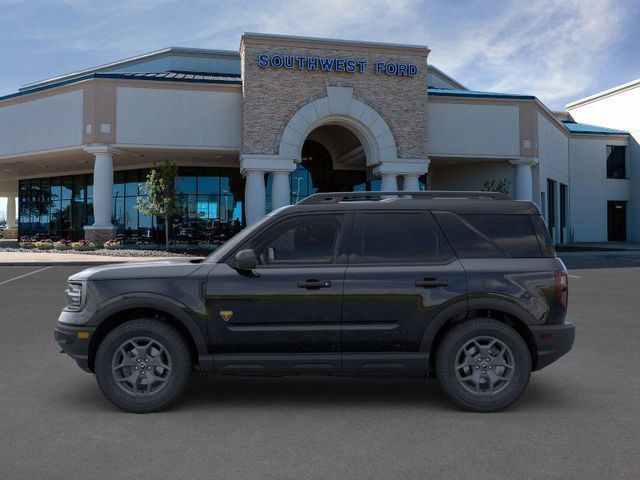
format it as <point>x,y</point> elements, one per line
<point>244,260</point>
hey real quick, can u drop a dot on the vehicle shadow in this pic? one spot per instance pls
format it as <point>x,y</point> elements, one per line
<point>318,392</point>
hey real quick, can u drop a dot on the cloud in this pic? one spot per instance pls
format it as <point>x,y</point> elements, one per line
<point>557,50</point>
<point>547,48</point>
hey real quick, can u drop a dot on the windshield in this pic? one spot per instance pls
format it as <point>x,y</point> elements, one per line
<point>226,247</point>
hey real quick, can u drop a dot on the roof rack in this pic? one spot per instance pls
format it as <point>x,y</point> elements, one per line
<point>337,197</point>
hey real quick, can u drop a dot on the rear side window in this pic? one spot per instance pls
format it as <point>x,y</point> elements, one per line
<point>513,234</point>
<point>543,235</point>
<point>400,238</point>
<point>487,236</point>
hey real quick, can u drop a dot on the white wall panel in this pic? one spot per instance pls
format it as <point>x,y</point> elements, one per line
<point>43,124</point>
<point>189,118</point>
<point>463,129</point>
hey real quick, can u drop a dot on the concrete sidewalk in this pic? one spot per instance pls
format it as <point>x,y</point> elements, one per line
<point>36,258</point>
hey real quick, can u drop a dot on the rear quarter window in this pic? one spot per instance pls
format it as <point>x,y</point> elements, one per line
<point>491,235</point>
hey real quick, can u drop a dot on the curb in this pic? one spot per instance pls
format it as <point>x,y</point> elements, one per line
<point>601,253</point>
<point>60,264</point>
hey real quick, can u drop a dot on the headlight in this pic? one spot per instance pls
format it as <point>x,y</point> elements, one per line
<point>75,296</point>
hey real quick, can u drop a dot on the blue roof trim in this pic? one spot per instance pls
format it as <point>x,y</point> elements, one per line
<point>156,77</point>
<point>575,127</point>
<point>450,92</point>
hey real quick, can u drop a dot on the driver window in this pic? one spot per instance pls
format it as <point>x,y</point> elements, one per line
<point>303,240</point>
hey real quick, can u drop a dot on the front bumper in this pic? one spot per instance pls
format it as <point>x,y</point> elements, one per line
<point>74,341</point>
<point>552,342</point>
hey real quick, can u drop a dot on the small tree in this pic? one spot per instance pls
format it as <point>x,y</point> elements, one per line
<point>160,194</point>
<point>501,186</point>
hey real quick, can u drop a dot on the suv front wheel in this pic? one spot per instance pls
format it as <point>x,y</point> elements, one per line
<point>143,365</point>
<point>483,365</point>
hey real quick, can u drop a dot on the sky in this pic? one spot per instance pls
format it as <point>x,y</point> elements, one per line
<point>558,50</point>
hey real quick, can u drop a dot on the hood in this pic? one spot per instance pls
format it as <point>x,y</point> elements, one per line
<point>169,268</point>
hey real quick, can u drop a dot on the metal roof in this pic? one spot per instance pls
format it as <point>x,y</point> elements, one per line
<point>228,79</point>
<point>575,127</point>
<point>450,92</point>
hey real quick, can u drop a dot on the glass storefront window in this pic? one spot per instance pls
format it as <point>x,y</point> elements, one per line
<point>60,207</point>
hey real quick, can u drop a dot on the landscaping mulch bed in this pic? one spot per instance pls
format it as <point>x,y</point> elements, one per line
<point>115,253</point>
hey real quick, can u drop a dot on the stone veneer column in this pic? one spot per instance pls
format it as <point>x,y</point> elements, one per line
<point>102,228</point>
<point>524,177</point>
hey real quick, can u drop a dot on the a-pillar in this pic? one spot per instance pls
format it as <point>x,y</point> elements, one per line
<point>524,177</point>
<point>102,228</point>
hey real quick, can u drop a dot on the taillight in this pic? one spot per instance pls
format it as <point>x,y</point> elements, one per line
<point>562,288</point>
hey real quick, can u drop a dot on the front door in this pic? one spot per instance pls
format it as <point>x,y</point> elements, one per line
<point>286,314</point>
<point>401,274</point>
<point>617,221</point>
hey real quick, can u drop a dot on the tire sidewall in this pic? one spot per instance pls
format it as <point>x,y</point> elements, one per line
<point>178,377</point>
<point>456,339</point>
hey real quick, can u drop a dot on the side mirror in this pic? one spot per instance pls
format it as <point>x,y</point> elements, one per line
<point>244,260</point>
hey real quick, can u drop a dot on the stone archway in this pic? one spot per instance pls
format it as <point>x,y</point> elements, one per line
<point>340,108</point>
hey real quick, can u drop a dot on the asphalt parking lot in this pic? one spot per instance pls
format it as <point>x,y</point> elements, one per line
<point>579,419</point>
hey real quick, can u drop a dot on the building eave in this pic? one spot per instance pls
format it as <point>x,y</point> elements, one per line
<point>603,94</point>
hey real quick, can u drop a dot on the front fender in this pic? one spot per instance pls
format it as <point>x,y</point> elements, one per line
<point>131,301</point>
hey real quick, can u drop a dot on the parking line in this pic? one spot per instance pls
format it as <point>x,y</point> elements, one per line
<point>573,276</point>
<point>25,275</point>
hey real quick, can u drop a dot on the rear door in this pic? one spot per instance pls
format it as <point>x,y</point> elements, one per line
<point>401,274</point>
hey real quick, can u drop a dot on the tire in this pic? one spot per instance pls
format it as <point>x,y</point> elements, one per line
<point>468,379</point>
<point>143,365</point>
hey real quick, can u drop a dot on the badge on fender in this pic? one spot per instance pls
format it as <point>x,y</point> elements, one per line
<point>226,315</point>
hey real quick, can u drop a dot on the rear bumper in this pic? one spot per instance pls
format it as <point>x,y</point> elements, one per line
<point>552,342</point>
<point>74,341</point>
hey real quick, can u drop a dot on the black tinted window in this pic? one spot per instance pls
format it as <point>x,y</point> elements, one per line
<point>544,240</point>
<point>468,242</point>
<point>491,235</point>
<point>401,238</point>
<point>309,239</point>
<point>514,234</point>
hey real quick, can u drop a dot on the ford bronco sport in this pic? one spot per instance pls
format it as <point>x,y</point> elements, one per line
<point>465,286</point>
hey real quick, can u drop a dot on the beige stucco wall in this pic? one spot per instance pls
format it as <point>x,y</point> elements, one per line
<point>271,96</point>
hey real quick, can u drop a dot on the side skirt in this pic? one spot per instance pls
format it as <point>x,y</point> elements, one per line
<point>348,364</point>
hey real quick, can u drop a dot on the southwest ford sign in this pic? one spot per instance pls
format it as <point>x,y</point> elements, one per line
<point>330,64</point>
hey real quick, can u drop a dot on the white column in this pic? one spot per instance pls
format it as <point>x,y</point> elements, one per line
<point>389,182</point>
<point>524,178</point>
<point>410,183</point>
<point>103,189</point>
<point>254,196</point>
<point>11,211</point>
<point>280,190</point>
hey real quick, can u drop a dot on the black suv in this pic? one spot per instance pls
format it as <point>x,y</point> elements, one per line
<point>465,286</point>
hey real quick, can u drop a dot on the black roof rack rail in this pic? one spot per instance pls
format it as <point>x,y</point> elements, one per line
<point>337,197</point>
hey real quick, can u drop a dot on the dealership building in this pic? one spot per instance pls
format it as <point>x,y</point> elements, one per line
<point>284,117</point>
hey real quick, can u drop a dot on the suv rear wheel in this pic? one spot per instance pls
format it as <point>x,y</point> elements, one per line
<point>143,365</point>
<point>483,365</point>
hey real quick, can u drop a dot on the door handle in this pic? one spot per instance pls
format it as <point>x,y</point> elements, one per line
<point>314,284</point>
<point>431,283</point>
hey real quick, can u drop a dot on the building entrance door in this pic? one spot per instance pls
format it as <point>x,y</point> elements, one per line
<point>617,221</point>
